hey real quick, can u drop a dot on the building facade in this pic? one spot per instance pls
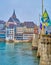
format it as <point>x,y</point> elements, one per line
<point>11,25</point>
<point>27,36</point>
<point>19,32</point>
<point>13,29</point>
<point>10,33</point>
<point>2,31</point>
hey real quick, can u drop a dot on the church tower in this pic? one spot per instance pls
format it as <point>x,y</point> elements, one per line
<point>14,15</point>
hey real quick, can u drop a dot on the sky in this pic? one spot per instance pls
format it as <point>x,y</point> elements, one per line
<point>26,10</point>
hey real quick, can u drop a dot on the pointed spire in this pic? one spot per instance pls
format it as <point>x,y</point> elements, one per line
<point>14,15</point>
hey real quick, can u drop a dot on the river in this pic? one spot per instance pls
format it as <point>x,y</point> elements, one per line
<point>17,54</point>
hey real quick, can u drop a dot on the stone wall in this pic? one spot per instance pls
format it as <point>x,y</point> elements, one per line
<point>45,58</point>
<point>35,41</point>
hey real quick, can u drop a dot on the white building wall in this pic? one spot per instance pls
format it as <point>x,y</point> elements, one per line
<point>10,34</point>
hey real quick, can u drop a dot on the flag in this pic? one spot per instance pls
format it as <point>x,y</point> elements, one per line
<point>49,23</point>
<point>45,17</point>
<point>41,26</point>
<point>45,24</point>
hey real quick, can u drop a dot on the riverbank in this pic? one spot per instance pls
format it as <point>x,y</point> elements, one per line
<point>2,40</point>
<point>17,41</point>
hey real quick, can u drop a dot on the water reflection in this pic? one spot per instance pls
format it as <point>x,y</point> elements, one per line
<point>2,46</point>
<point>17,54</point>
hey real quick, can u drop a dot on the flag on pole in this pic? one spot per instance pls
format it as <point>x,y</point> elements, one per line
<point>41,26</point>
<point>45,24</point>
<point>49,23</point>
<point>45,17</point>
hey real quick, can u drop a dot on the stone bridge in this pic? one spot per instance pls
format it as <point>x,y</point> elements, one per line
<point>43,45</point>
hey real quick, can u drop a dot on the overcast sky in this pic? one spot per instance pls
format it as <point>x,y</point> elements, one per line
<point>26,10</point>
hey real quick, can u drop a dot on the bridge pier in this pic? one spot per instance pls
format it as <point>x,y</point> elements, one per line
<point>35,42</point>
<point>45,58</point>
<point>39,48</point>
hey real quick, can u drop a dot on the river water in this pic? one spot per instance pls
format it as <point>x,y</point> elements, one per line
<point>17,54</point>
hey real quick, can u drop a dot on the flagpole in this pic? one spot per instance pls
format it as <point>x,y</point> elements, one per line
<point>39,23</point>
<point>42,15</point>
<point>42,7</point>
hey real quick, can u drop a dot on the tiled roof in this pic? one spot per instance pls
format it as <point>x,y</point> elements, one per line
<point>13,18</point>
<point>29,24</point>
<point>10,19</point>
<point>20,25</point>
<point>2,22</point>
